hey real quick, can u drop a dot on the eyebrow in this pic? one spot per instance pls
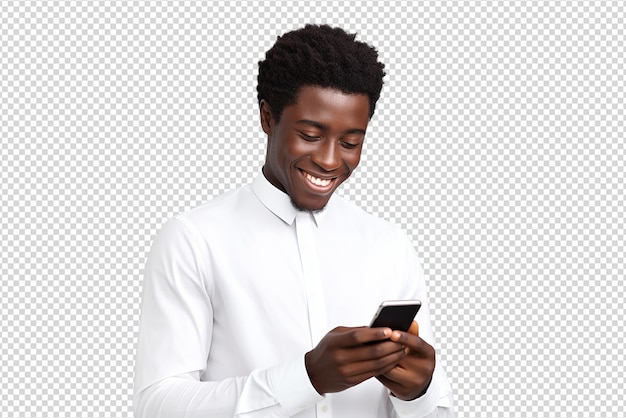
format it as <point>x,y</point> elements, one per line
<point>325,128</point>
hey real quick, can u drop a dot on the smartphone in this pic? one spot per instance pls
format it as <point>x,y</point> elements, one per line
<point>396,314</point>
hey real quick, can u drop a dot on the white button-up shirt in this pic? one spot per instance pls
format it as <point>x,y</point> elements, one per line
<point>237,290</point>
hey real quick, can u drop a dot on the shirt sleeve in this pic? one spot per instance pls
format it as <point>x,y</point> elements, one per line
<point>437,401</point>
<point>174,340</point>
<point>280,391</point>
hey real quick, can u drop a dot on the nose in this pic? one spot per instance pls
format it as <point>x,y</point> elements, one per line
<point>327,155</point>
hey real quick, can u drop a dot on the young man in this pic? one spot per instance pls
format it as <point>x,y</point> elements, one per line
<point>254,303</point>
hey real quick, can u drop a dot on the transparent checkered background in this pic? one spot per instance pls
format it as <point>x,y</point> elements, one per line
<point>498,144</point>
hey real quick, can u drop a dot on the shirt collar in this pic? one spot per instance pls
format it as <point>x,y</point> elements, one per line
<point>279,202</point>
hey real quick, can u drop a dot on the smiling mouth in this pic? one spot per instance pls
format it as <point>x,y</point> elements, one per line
<point>316,180</point>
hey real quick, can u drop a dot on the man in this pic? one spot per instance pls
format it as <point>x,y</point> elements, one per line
<point>254,303</point>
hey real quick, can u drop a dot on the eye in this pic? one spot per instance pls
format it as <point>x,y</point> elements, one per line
<point>351,142</point>
<point>349,145</point>
<point>309,138</point>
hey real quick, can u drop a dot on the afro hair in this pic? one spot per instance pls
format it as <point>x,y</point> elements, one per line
<point>318,55</point>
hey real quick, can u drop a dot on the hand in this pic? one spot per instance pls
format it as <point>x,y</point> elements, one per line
<point>410,378</point>
<point>346,357</point>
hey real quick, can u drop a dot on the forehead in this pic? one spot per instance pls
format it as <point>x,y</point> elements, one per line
<point>330,106</point>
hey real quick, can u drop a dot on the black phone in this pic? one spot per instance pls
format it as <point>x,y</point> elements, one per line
<point>396,314</point>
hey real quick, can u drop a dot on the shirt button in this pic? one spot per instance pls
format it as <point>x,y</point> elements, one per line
<point>324,408</point>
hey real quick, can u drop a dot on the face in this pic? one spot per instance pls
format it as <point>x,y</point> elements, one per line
<point>316,145</point>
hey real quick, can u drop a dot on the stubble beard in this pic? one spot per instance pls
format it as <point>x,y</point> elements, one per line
<point>303,209</point>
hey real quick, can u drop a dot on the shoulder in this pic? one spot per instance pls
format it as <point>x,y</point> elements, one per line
<point>210,218</point>
<point>218,208</point>
<point>355,218</point>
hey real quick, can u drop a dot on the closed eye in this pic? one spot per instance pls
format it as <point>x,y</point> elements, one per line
<point>309,138</point>
<point>349,145</point>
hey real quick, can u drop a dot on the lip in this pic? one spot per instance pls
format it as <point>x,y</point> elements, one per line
<point>318,189</point>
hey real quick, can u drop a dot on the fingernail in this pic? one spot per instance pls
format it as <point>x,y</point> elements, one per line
<point>396,335</point>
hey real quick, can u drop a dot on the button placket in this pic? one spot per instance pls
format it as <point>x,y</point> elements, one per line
<point>305,230</point>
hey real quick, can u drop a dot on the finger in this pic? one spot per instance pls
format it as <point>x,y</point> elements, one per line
<point>397,374</point>
<point>362,335</point>
<point>410,378</point>
<point>411,341</point>
<point>396,387</point>
<point>389,383</point>
<point>414,329</point>
<point>372,351</point>
<point>373,367</point>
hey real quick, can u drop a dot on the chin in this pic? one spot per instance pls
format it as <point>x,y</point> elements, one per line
<point>302,206</point>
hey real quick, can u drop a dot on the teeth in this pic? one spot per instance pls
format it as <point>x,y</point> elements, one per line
<point>317,181</point>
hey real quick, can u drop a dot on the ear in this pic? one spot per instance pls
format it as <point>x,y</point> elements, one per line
<point>267,120</point>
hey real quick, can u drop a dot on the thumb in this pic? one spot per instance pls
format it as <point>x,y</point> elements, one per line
<point>414,329</point>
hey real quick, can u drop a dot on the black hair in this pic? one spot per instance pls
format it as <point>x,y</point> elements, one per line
<point>318,55</point>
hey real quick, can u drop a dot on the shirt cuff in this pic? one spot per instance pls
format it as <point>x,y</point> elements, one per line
<point>293,387</point>
<point>419,407</point>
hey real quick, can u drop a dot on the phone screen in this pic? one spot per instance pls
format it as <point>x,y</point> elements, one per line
<point>397,315</point>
